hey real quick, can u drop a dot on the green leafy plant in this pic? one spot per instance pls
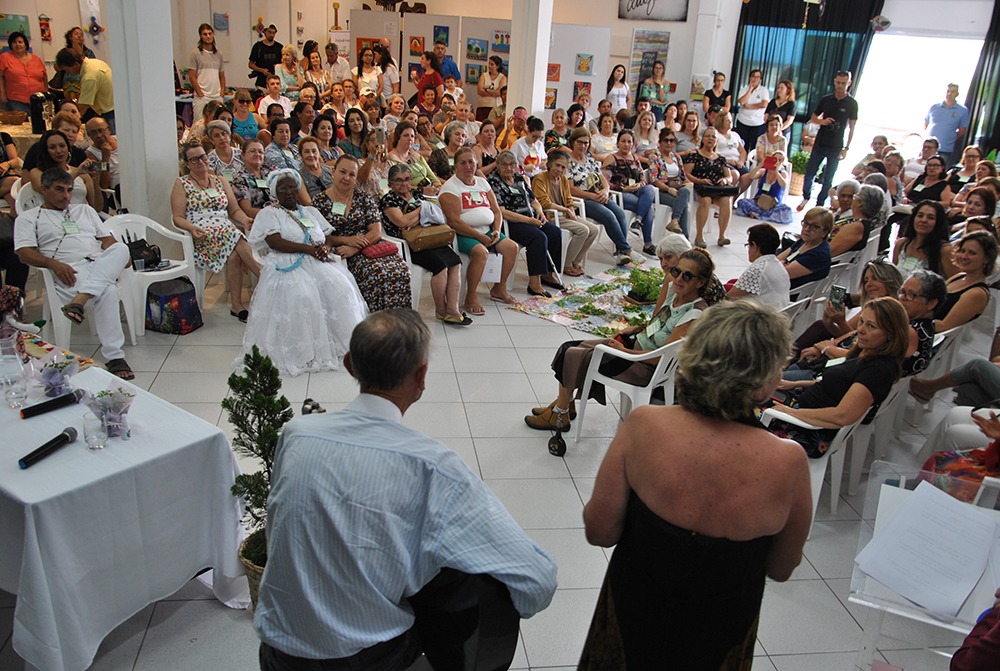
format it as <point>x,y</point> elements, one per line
<point>600,288</point>
<point>799,161</point>
<point>591,310</point>
<point>605,331</point>
<point>257,414</point>
<point>645,284</point>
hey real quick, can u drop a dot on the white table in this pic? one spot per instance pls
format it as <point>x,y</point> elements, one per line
<point>89,538</point>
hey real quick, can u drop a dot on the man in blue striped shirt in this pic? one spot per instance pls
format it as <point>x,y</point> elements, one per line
<point>365,512</point>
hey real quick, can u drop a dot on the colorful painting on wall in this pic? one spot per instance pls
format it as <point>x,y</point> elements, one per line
<point>552,72</point>
<point>584,64</point>
<point>473,72</point>
<point>582,87</point>
<point>475,50</point>
<point>551,95</point>
<point>441,34</point>
<point>416,70</point>
<point>365,42</point>
<point>501,41</point>
<point>653,10</point>
<point>416,45</point>
<point>648,46</point>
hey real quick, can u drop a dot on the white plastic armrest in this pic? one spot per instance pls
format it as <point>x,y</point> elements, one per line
<point>773,413</point>
<point>167,233</point>
<point>653,354</point>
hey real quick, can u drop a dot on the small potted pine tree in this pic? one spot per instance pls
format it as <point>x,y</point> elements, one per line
<point>257,414</point>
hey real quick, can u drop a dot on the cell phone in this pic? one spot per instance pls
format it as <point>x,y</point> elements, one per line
<point>837,295</point>
<point>771,163</point>
<point>380,136</point>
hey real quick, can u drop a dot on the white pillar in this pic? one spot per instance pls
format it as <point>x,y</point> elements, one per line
<point>530,30</point>
<point>139,34</point>
<point>706,37</point>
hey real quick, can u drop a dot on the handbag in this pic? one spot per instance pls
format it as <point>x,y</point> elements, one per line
<point>172,307</point>
<point>420,238</point>
<point>139,249</point>
<point>766,202</point>
<point>720,191</point>
<point>380,249</point>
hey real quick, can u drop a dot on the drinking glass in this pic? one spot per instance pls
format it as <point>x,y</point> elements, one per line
<point>95,431</point>
<point>15,391</point>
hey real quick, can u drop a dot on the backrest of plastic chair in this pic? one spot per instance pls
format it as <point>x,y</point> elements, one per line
<point>27,198</point>
<point>134,224</point>
<point>666,366</point>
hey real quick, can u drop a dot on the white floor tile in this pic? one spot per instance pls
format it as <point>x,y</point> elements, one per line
<point>584,458</point>
<point>480,336</point>
<point>202,359</point>
<point>465,449</point>
<point>493,387</point>
<point>832,547</point>
<point>581,565</point>
<point>438,420</point>
<point>555,636</point>
<point>210,412</point>
<point>472,360</point>
<point>802,616</point>
<point>829,661</point>
<point>504,459</point>
<point>146,357</point>
<point>539,360</point>
<point>920,660</point>
<point>541,504</point>
<point>198,635</point>
<point>332,386</point>
<point>539,337</point>
<point>190,387</point>
<point>762,663</point>
<point>504,420</point>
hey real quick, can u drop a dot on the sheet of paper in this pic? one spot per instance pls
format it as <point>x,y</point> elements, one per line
<point>933,551</point>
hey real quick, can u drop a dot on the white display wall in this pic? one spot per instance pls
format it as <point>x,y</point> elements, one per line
<point>481,38</point>
<point>372,26</point>
<point>419,36</point>
<point>578,59</point>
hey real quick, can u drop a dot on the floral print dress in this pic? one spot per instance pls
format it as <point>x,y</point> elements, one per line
<point>384,282</point>
<point>208,210</point>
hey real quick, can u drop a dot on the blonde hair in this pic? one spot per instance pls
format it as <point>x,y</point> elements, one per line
<point>733,350</point>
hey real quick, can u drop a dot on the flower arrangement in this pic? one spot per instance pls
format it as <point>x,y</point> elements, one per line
<point>53,372</point>
<point>112,405</point>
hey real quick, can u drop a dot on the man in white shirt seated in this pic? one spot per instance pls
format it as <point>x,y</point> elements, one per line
<point>274,97</point>
<point>73,242</point>
<point>366,516</point>
<point>530,150</point>
<point>104,151</point>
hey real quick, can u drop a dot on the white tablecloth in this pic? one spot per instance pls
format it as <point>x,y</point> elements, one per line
<point>89,538</point>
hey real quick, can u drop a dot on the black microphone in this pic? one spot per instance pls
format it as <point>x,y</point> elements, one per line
<point>67,436</point>
<point>52,404</point>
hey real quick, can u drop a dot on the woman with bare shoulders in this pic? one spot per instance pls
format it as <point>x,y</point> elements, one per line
<point>695,537</point>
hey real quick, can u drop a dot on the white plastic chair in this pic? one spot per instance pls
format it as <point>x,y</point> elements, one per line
<point>834,457</point>
<point>880,427</point>
<point>794,309</point>
<point>138,226</point>
<point>417,273</point>
<point>62,327</point>
<point>820,288</point>
<point>26,198</point>
<point>631,395</point>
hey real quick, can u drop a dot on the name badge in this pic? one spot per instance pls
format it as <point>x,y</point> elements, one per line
<point>451,162</point>
<point>835,362</point>
<point>70,227</point>
<point>213,192</point>
<point>288,153</point>
<point>228,174</point>
<point>652,328</point>
<point>339,209</point>
<point>910,263</point>
<point>261,183</point>
<point>765,187</point>
<point>918,188</point>
<point>383,185</point>
<point>631,181</point>
<point>439,145</point>
<point>562,140</point>
<point>965,178</point>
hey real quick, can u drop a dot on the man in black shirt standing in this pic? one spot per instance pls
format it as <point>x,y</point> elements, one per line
<point>833,114</point>
<point>264,55</point>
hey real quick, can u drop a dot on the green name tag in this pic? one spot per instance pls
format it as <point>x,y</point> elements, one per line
<point>918,187</point>
<point>652,328</point>
<point>70,227</point>
<point>339,209</point>
<point>766,187</point>
<point>212,193</point>
<point>440,145</point>
<point>631,182</point>
<point>383,185</point>
<point>451,162</point>
<point>228,174</point>
<point>261,183</point>
<point>288,153</point>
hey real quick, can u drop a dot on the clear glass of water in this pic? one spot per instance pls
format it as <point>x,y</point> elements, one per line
<point>15,390</point>
<point>95,431</point>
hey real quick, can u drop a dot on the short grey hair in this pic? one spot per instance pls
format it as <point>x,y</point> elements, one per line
<point>932,285</point>
<point>387,347</point>
<point>871,199</point>
<point>450,129</point>
<point>217,125</point>
<point>389,100</point>
<point>879,180</point>
<point>672,243</point>
<point>733,351</point>
<point>55,176</point>
<point>852,183</point>
<point>506,155</point>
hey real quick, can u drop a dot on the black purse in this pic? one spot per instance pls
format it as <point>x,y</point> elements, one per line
<point>140,250</point>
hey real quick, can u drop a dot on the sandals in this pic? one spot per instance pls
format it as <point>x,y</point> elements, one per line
<point>508,299</point>
<point>455,320</point>
<point>120,369</point>
<point>74,312</point>
<point>477,310</point>
<point>553,285</point>
<point>543,293</point>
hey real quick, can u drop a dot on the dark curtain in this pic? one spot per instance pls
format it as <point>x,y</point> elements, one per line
<point>984,91</point>
<point>771,38</point>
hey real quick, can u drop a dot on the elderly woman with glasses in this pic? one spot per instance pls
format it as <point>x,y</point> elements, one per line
<point>683,305</point>
<point>306,304</point>
<point>204,205</point>
<point>403,208</point>
<point>851,234</point>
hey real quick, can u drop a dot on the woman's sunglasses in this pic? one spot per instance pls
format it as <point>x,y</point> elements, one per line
<point>685,274</point>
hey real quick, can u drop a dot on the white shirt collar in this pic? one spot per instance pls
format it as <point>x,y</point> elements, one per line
<point>370,404</point>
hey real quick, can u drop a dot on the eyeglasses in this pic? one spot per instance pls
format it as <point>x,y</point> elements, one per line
<point>201,158</point>
<point>686,275</point>
<point>243,101</point>
<point>811,226</point>
<point>905,295</point>
<point>670,139</point>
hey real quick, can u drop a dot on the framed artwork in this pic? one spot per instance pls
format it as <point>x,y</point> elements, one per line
<point>475,50</point>
<point>368,42</point>
<point>415,70</point>
<point>417,45</point>
<point>552,72</point>
<point>473,71</point>
<point>501,41</point>
<point>581,87</point>
<point>551,96</point>
<point>584,65</point>
<point>658,10</point>
<point>441,34</point>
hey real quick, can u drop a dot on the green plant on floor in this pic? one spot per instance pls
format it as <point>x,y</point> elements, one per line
<point>800,160</point>
<point>645,284</point>
<point>257,414</point>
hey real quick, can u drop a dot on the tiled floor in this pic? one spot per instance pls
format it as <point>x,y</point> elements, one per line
<point>483,380</point>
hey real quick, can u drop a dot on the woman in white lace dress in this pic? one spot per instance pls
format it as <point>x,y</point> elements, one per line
<point>306,304</point>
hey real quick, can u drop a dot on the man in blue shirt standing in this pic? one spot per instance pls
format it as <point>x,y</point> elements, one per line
<point>448,64</point>
<point>369,520</point>
<point>948,122</point>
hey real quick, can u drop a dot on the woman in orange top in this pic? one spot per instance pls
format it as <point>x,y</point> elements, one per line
<point>23,74</point>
